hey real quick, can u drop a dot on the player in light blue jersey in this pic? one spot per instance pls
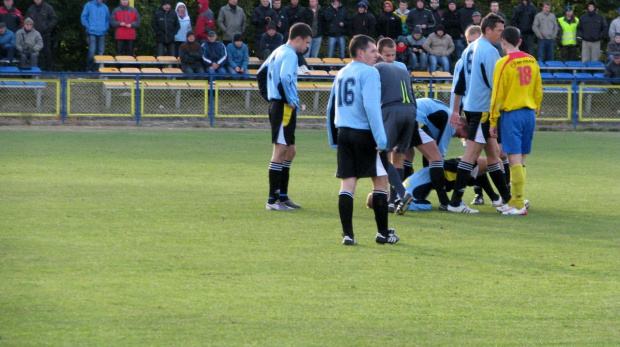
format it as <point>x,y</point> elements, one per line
<point>387,49</point>
<point>281,82</point>
<point>472,33</point>
<point>355,127</point>
<point>431,136</point>
<point>479,60</point>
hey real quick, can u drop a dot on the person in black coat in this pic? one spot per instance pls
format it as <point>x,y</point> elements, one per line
<point>362,22</point>
<point>165,24</point>
<point>523,19</point>
<point>262,15</point>
<point>389,24</point>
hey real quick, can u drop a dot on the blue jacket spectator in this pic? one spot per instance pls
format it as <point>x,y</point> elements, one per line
<point>7,43</point>
<point>214,55</point>
<point>238,56</point>
<point>96,18</point>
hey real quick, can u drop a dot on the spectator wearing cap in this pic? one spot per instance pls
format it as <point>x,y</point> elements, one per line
<point>567,33</point>
<point>362,22</point>
<point>96,19</point>
<point>45,21</point>
<point>439,46</point>
<point>190,54</point>
<point>336,24</point>
<point>185,25</point>
<point>476,18</point>
<point>614,27</point>
<point>415,41</point>
<point>613,47</point>
<point>421,17</point>
<point>313,16</point>
<point>591,29</point>
<point>388,24</point>
<point>269,41</point>
<point>205,21</point>
<point>7,44</point>
<point>261,16</point>
<point>612,69</point>
<point>165,24</point>
<point>466,14</point>
<point>125,19</point>
<point>523,19</point>
<point>11,16</point>
<point>238,58</point>
<point>214,55</point>
<point>452,24</point>
<point>545,28</point>
<point>28,43</point>
<point>231,20</point>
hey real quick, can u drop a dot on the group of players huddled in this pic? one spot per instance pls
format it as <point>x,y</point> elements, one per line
<point>373,116</point>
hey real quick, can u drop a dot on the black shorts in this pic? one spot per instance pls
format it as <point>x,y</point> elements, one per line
<point>477,126</point>
<point>358,155</point>
<point>421,135</point>
<point>283,120</point>
<point>398,121</point>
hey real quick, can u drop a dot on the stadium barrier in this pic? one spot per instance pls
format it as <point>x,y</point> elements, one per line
<point>140,96</point>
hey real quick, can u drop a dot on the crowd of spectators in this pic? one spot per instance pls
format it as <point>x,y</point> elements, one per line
<point>428,38</point>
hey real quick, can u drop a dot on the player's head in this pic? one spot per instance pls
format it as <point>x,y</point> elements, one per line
<point>299,37</point>
<point>362,48</point>
<point>461,129</point>
<point>387,49</point>
<point>511,39</point>
<point>492,26</point>
<point>472,33</point>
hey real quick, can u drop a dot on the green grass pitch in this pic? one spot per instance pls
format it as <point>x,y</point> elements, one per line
<point>143,237</point>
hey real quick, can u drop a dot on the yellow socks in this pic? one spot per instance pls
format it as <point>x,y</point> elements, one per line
<point>517,175</point>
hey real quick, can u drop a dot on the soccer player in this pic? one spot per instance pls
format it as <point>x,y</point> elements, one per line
<point>431,136</point>
<point>387,49</point>
<point>517,95</point>
<point>355,127</point>
<point>281,68</point>
<point>476,78</point>
<point>398,107</point>
<point>420,184</point>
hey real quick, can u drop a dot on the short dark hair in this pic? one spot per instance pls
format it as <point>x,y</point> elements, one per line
<point>512,35</point>
<point>359,42</point>
<point>302,30</point>
<point>490,21</point>
<point>385,42</point>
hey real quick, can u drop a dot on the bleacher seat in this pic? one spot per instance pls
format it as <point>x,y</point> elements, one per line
<point>9,69</point>
<point>583,75</point>
<point>146,58</point>
<point>130,70</point>
<point>563,75</point>
<point>546,76</point>
<point>575,64</point>
<point>32,69</point>
<point>541,63</point>
<point>595,64</point>
<point>125,58</point>
<point>598,75</point>
<point>554,63</point>
<point>109,70</point>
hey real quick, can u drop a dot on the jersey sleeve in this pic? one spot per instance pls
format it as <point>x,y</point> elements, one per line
<point>371,97</point>
<point>332,131</point>
<point>288,78</point>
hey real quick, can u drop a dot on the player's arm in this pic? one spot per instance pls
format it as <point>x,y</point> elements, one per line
<point>538,89</point>
<point>332,131</point>
<point>458,91</point>
<point>371,99</point>
<point>497,96</point>
<point>288,78</point>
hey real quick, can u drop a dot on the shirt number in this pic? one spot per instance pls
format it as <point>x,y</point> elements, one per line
<point>347,95</point>
<point>525,75</point>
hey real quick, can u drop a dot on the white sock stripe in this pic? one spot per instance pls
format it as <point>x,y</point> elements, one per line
<point>494,167</point>
<point>287,164</point>
<point>384,192</point>
<point>436,164</point>
<point>465,166</point>
<point>344,192</point>
<point>407,163</point>
<point>275,166</point>
<point>505,161</point>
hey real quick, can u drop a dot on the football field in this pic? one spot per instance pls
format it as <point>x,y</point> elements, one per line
<point>159,237</point>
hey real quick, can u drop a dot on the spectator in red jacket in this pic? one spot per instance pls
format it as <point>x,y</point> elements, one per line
<point>205,21</point>
<point>125,19</point>
<point>11,16</point>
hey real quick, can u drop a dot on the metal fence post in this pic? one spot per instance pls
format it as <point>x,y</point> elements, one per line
<point>575,91</point>
<point>63,98</point>
<point>138,97</point>
<point>211,101</point>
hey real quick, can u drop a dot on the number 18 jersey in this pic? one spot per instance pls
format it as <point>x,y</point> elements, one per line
<point>516,85</point>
